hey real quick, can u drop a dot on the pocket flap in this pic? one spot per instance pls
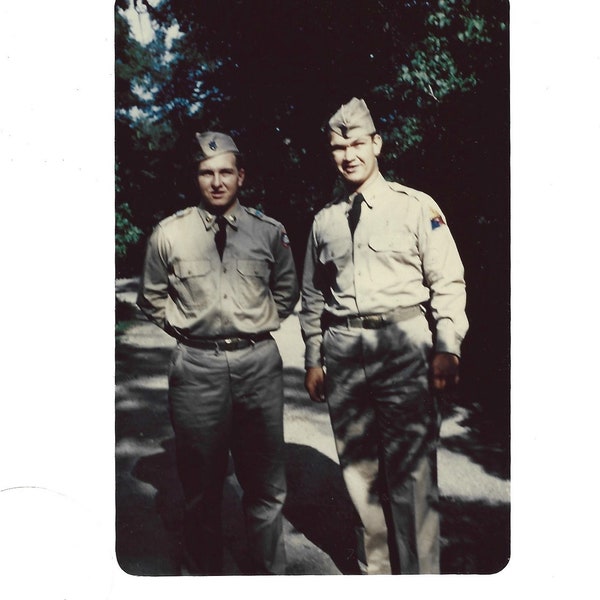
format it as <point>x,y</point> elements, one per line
<point>253,268</point>
<point>392,243</point>
<point>191,268</point>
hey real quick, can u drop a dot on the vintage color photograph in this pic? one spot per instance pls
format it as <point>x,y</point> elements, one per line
<point>312,287</point>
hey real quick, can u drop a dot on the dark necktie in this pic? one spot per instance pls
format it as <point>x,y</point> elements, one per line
<point>354,213</point>
<point>221,235</point>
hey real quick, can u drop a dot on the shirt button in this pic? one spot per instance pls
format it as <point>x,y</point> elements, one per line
<point>224,295</point>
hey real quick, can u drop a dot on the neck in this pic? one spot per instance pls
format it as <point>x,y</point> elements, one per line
<point>360,188</point>
<point>220,210</point>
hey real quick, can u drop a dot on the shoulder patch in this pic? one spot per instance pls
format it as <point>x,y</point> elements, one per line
<point>437,221</point>
<point>285,240</point>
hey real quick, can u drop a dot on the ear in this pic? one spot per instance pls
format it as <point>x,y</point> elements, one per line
<point>241,177</point>
<point>377,144</point>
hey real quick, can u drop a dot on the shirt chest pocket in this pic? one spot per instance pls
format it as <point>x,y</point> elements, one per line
<point>191,282</point>
<point>253,269</point>
<point>396,242</point>
<point>251,284</point>
<point>186,269</point>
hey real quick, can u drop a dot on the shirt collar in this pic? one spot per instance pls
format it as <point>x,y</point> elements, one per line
<point>372,191</point>
<point>232,217</point>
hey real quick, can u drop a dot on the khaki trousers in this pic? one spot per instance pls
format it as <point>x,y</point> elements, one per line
<point>222,402</point>
<point>386,429</point>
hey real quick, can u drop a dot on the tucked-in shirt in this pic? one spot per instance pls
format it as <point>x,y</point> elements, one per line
<point>402,255</point>
<point>189,292</point>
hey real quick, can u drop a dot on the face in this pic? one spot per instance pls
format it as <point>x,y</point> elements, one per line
<point>356,158</point>
<point>219,180</point>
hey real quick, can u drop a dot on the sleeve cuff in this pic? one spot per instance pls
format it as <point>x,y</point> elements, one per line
<point>447,339</point>
<point>312,356</point>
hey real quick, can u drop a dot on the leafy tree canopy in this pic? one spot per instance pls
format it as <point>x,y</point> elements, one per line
<point>272,72</point>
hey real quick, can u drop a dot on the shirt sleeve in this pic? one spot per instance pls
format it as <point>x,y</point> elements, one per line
<point>444,275</point>
<point>313,303</point>
<point>153,292</point>
<point>284,280</point>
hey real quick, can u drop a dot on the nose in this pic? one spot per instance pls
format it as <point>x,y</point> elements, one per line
<point>349,153</point>
<point>216,182</point>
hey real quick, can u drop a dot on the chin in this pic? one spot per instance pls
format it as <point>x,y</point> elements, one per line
<point>219,202</point>
<point>354,179</point>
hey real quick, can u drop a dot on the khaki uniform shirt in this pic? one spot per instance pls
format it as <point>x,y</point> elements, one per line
<point>190,293</point>
<point>402,255</point>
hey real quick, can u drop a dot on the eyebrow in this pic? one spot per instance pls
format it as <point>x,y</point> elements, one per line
<point>226,170</point>
<point>360,140</point>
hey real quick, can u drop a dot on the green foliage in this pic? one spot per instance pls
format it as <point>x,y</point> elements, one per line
<point>126,233</point>
<point>444,65</point>
<point>271,73</point>
<point>144,136</point>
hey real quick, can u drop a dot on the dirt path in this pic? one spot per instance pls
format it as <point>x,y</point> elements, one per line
<point>319,537</point>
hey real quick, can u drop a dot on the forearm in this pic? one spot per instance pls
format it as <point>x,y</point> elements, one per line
<point>153,293</point>
<point>284,280</point>
<point>313,304</point>
<point>285,295</point>
<point>448,311</point>
<point>312,353</point>
<point>444,275</point>
<point>153,306</point>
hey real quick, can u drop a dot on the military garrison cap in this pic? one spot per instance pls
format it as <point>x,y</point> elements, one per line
<point>352,120</point>
<point>213,143</point>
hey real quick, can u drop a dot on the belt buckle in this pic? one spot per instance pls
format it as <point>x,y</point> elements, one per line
<point>227,343</point>
<point>373,321</point>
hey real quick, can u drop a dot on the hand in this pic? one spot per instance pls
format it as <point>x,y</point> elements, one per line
<point>444,370</point>
<point>314,382</point>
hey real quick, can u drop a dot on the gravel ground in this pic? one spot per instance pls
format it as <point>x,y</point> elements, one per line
<point>475,501</point>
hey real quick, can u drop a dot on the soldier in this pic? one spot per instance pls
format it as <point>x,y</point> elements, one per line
<point>375,258</point>
<point>219,277</point>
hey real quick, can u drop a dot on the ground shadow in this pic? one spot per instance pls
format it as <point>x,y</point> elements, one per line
<point>296,396</point>
<point>131,285</point>
<point>318,505</point>
<point>131,361</point>
<point>160,471</point>
<point>475,534</point>
<point>475,537</point>
<point>148,524</point>
<point>486,436</point>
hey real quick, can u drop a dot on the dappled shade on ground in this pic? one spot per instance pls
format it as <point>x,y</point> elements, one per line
<point>149,502</point>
